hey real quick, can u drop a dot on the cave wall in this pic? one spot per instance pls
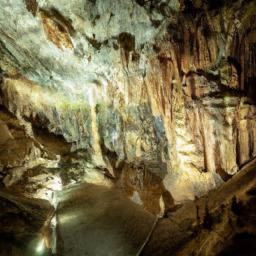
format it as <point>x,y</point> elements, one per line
<point>162,88</point>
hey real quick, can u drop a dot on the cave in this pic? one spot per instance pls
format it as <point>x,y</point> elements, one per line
<point>127,127</point>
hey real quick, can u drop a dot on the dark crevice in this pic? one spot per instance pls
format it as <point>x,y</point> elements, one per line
<point>32,6</point>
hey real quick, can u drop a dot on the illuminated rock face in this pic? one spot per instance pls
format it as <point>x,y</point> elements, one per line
<point>160,95</point>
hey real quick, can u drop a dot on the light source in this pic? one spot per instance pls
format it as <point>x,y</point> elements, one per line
<point>40,247</point>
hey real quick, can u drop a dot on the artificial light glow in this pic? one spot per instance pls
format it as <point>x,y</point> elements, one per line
<point>56,184</point>
<point>54,235</point>
<point>40,247</point>
<point>65,218</point>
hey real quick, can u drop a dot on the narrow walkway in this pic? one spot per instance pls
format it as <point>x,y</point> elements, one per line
<point>94,220</point>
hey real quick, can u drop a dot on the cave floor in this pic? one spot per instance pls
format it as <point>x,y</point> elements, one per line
<point>99,220</point>
<point>94,220</point>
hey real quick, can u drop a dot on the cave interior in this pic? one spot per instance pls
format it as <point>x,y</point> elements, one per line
<point>127,127</point>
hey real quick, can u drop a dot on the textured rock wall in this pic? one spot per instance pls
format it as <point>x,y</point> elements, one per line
<point>22,221</point>
<point>161,88</point>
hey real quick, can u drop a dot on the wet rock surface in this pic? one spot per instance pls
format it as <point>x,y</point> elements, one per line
<point>93,220</point>
<point>23,221</point>
<point>97,220</point>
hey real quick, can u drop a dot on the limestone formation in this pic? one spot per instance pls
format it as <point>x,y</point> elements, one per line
<point>154,97</point>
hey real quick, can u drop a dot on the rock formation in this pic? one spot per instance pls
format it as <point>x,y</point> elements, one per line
<point>154,97</point>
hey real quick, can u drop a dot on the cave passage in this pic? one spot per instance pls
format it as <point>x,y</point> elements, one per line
<point>127,127</point>
<point>107,222</point>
